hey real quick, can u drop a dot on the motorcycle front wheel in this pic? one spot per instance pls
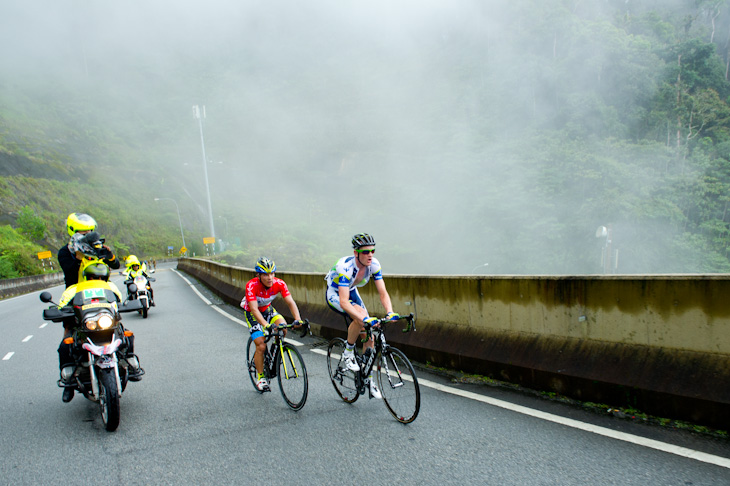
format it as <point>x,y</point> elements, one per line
<point>109,399</point>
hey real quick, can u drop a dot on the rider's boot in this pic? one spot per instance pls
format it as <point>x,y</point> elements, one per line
<point>134,369</point>
<point>66,381</point>
<point>67,366</point>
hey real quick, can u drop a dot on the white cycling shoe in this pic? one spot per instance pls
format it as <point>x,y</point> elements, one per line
<point>374,392</point>
<point>262,385</point>
<point>350,362</point>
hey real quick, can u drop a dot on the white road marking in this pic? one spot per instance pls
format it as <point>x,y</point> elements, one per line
<point>234,319</point>
<point>594,429</point>
<point>226,314</point>
<point>27,338</point>
<point>43,325</point>
<point>194,289</point>
<point>8,356</point>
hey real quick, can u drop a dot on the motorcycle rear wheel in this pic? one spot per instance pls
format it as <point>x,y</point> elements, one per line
<point>109,399</point>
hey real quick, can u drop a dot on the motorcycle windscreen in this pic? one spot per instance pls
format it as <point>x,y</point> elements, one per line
<point>91,300</point>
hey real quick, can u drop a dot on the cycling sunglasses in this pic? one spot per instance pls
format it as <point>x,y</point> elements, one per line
<point>366,252</point>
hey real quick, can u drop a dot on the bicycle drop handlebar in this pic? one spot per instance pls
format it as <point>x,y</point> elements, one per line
<point>411,326</point>
<point>276,328</point>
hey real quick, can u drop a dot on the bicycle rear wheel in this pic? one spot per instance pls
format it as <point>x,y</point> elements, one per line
<point>399,385</point>
<point>250,365</point>
<point>292,376</point>
<point>344,380</point>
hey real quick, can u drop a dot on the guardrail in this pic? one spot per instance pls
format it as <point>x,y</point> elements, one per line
<point>659,344</point>
<point>10,287</point>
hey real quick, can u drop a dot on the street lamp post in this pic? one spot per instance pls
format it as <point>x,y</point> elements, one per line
<point>199,116</point>
<point>178,216</point>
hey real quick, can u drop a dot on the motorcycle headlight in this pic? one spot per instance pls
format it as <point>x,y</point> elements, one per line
<point>105,322</point>
<point>98,322</point>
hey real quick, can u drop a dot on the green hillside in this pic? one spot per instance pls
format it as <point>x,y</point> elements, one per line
<point>458,133</point>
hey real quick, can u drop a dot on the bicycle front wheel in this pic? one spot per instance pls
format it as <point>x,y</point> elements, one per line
<point>292,375</point>
<point>399,385</point>
<point>344,380</point>
<point>250,365</point>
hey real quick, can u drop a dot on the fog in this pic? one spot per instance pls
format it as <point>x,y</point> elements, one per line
<point>405,119</point>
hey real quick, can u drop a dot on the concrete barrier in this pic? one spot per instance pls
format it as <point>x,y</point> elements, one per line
<point>17,286</point>
<point>659,344</point>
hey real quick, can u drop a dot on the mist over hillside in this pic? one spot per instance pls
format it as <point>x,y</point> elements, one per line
<point>457,133</point>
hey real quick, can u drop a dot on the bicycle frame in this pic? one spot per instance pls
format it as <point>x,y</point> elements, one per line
<point>283,362</point>
<point>380,346</point>
<point>396,378</point>
<point>276,348</point>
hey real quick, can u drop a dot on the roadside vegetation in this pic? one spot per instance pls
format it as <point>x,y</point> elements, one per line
<point>579,115</point>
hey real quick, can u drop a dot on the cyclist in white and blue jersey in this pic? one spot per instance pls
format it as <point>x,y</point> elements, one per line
<point>343,280</point>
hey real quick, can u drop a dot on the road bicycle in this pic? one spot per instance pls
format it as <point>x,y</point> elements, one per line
<point>283,362</point>
<point>395,376</point>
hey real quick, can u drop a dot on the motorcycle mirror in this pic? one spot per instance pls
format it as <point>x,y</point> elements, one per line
<point>46,297</point>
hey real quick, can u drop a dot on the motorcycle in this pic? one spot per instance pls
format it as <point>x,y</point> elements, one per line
<point>142,292</point>
<point>99,345</point>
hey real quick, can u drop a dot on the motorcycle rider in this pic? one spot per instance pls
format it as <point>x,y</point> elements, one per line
<point>260,314</point>
<point>72,259</point>
<point>96,276</point>
<point>343,280</point>
<point>135,269</point>
<point>70,256</point>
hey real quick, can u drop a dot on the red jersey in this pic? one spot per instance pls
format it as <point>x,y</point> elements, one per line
<point>255,291</point>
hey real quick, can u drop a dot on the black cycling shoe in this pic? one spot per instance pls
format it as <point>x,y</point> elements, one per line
<point>68,394</point>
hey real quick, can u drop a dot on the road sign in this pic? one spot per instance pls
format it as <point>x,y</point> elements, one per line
<point>42,255</point>
<point>209,240</point>
<point>183,249</point>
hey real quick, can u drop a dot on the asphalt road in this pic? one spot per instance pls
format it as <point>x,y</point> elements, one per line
<point>196,419</point>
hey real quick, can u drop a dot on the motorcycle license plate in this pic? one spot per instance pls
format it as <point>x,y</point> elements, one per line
<point>105,362</point>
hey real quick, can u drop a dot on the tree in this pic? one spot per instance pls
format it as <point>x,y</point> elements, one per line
<point>30,225</point>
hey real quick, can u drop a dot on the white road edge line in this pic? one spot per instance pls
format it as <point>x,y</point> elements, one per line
<point>8,356</point>
<point>594,429</point>
<point>193,287</point>
<point>224,313</point>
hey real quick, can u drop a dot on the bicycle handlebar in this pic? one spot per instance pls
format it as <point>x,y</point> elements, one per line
<point>305,328</point>
<point>411,326</point>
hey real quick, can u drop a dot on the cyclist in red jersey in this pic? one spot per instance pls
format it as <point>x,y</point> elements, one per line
<point>260,314</point>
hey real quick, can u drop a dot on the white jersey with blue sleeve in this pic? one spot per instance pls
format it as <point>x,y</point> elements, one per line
<point>345,270</point>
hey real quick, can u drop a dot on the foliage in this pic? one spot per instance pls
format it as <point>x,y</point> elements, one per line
<point>30,225</point>
<point>18,256</point>
<point>513,143</point>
